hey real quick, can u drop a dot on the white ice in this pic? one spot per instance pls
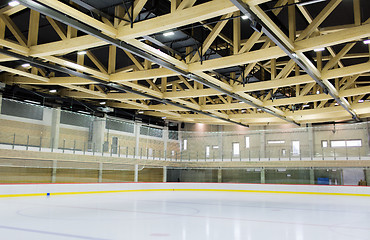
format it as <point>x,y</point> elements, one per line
<point>186,215</point>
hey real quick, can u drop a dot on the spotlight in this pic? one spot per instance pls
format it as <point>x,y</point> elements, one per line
<point>319,49</point>
<point>13,3</point>
<point>167,34</point>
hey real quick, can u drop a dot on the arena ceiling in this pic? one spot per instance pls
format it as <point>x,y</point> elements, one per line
<point>217,62</point>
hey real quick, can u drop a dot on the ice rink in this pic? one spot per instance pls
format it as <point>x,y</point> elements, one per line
<point>186,215</point>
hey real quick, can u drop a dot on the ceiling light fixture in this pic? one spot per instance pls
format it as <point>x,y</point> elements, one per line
<point>317,92</point>
<point>309,2</point>
<point>81,52</point>
<point>244,17</point>
<point>26,65</point>
<point>164,117</point>
<point>305,105</point>
<point>140,112</point>
<point>13,3</point>
<point>360,101</point>
<point>52,90</point>
<point>367,41</point>
<point>319,49</point>
<point>167,34</point>
<point>102,103</point>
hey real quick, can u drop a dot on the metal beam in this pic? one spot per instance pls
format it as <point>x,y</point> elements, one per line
<point>120,88</point>
<point>300,59</point>
<point>138,52</point>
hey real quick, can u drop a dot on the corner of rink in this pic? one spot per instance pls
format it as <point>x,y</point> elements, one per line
<point>23,190</point>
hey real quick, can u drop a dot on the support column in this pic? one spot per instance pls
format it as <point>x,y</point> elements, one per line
<point>164,174</point>
<point>55,125</point>
<point>367,176</point>
<point>1,100</point>
<point>263,175</point>
<point>165,140</point>
<point>311,140</point>
<point>219,175</point>
<point>54,172</point>
<point>312,176</point>
<point>263,143</point>
<point>100,172</point>
<point>220,142</point>
<point>137,138</point>
<point>136,176</point>
<point>98,133</point>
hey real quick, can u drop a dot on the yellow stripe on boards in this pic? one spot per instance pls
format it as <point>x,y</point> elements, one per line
<point>194,190</point>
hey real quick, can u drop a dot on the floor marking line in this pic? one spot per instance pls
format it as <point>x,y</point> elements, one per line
<point>184,189</point>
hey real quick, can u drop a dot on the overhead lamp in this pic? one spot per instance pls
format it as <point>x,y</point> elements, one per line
<point>319,49</point>
<point>164,117</point>
<point>244,17</point>
<point>13,3</point>
<point>81,52</point>
<point>30,101</point>
<point>305,105</point>
<point>52,91</point>
<point>309,2</point>
<point>102,103</point>
<point>83,112</point>
<point>26,65</point>
<point>140,112</point>
<point>367,41</point>
<point>244,111</point>
<point>167,34</point>
<point>294,55</point>
<point>360,101</point>
<point>317,92</point>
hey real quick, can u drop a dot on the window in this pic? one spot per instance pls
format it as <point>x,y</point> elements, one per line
<point>207,151</point>
<point>275,142</point>
<point>324,143</point>
<point>236,148</point>
<point>246,142</point>
<point>346,143</point>
<point>185,144</point>
<point>295,146</point>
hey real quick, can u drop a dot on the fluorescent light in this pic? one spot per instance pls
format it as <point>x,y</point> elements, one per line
<point>52,90</point>
<point>367,41</point>
<point>26,65</point>
<point>164,117</point>
<point>167,34</point>
<point>30,101</point>
<point>102,103</point>
<point>319,49</point>
<point>360,101</point>
<point>81,52</point>
<point>83,112</point>
<point>306,105</point>
<point>245,17</point>
<point>13,3</point>
<point>140,112</point>
<point>309,2</point>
